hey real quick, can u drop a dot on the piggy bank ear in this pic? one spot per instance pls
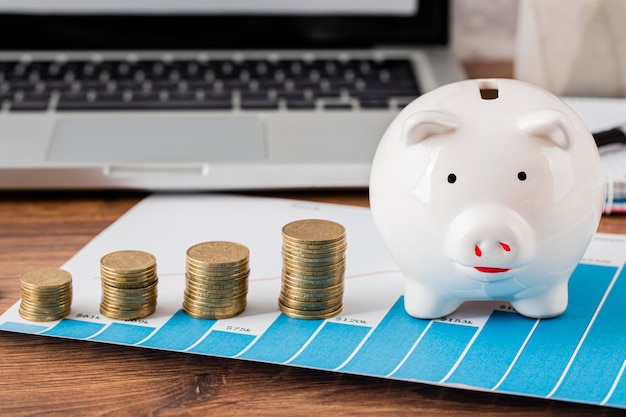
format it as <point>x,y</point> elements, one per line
<point>428,123</point>
<point>549,124</point>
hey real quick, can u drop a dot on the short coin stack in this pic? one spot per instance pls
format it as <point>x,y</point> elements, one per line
<point>46,294</point>
<point>216,280</point>
<point>129,284</point>
<point>313,269</point>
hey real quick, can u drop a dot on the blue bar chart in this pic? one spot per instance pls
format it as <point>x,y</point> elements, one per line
<point>509,353</point>
<point>579,356</point>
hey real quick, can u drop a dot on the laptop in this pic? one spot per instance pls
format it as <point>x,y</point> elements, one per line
<point>209,94</point>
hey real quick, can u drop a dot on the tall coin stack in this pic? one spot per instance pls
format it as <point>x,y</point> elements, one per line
<point>313,269</point>
<point>46,294</point>
<point>216,280</point>
<point>129,284</point>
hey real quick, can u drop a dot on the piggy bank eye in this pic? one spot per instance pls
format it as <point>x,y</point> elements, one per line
<point>521,176</point>
<point>451,178</point>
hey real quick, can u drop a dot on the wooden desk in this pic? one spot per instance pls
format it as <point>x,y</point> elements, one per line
<point>66,377</point>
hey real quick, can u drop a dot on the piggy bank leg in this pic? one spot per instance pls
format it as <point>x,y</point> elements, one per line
<point>423,303</point>
<point>550,303</point>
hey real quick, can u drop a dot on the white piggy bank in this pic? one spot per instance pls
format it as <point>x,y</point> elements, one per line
<point>486,189</point>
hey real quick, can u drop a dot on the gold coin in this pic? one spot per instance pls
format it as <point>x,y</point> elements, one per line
<point>124,286</point>
<point>217,268</point>
<point>308,251</point>
<point>127,315</point>
<point>313,273</point>
<point>190,305</point>
<point>41,317</point>
<point>148,285</point>
<point>298,314</point>
<point>126,275</point>
<point>308,274</point>
<point>308,287</point>
<point>45,277</point>
<point>312,293</point>
<point>129,302</point>
<point>207,288</point>
<point>216,294</point>
<point>36,308</point>
<point>314,305</point>
<point>313,247</point>
<point>233,305</point>
<point>129,276</point>
<point>213,315</point>
<point>321,308</point>
<point>313,230</point>
<point>128,261</point>
<point>297,268</point>
<point>206,275</point>
<point>314,260</point>
<point>47,303</point>
<point>45,297</point>
<point>218,253</point>
<point>134,283</point>
<point>215,301</point>
<point>46,294</point>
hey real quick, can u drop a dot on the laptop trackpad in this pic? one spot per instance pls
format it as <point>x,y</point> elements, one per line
<point>162,140</point>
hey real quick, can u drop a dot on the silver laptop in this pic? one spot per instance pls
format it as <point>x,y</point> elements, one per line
<point>209,94</point>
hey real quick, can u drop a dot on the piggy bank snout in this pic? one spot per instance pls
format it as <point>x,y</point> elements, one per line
<point>489,239</point>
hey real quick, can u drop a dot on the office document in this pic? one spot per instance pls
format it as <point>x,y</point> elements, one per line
<point>579,356</point>
<point>601,114</point>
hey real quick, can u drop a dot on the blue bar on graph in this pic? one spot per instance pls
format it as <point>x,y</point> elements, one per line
<point>388,344</point>
<point>618,398</point>
<point>75,329</point>
<point>180,332</point>
<point>123,333</point>
<point>22,327</point>
<point>282,339</point>
<point>493,350</point>
<point>333,344</point>
<point>444,341</point>
<point>222,343</point>
<point>554,340</point>
<point>601,356</point>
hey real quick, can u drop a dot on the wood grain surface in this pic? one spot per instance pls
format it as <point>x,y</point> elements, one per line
<point>56,377</point>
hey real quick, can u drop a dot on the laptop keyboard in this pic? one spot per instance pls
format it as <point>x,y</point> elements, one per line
<point>209,85</point>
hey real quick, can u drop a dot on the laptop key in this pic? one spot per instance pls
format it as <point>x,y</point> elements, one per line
<point>374,103</point>
<point>297,100</point>
<point>73,101</point>
<point>90,101</point>
<point>191,100</point>
<point>338,106</point>
<point>258,101</point>
<point>30,102</point>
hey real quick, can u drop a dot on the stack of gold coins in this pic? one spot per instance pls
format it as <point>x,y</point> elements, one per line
<point>217,280</point>
<point>46,294</point>
<point>129,284</point>
<point>313,269</point>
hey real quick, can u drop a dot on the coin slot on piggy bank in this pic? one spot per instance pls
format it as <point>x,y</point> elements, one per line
<point>486,190</point>
<point>488,90</point>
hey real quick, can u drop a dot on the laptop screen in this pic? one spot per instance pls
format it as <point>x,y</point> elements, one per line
<point>220,24</point>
